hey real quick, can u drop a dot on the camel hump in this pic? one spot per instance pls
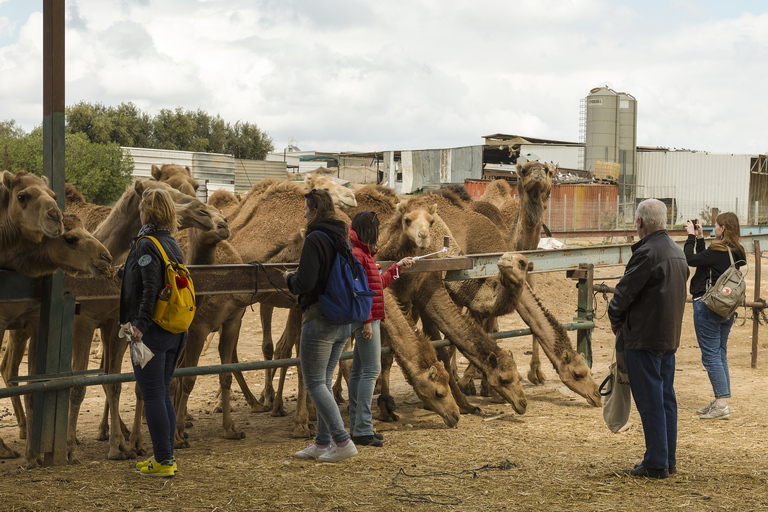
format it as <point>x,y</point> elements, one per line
<point>72,195</point>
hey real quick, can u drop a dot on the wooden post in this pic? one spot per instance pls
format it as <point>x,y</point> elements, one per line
<point>755,311</point>
<point>54,349</point>
<point>584,312</point>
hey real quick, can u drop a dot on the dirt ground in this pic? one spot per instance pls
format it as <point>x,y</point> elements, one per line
<point>557,456</point>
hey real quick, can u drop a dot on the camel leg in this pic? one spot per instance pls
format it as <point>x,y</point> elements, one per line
<point>345,367</point>
<point>6,452</point>
<point>114,350</point>
<point>228,338</point>
<point>302,427</point>
<point>267,350</point>
<point>207,343</point>
<point>385,401</point>
<point>191,356</point>
<point>136,439</point>
<point>535,375</point>
<point>250,398</point>
<point>285,344</point>
<point>467,381</point>
<point>34,459</point>
<point>14,354</point>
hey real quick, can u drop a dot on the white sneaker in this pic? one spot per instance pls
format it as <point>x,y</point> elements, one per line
<point>312,452</point>
<point>705,410</point>
<point>336,453</point>
<point>717,413</point>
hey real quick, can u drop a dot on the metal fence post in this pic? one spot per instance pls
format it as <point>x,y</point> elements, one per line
<point>584,311</point>
<point>755,311</point>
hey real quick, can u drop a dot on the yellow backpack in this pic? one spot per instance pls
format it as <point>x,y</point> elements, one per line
<point>175,308</point>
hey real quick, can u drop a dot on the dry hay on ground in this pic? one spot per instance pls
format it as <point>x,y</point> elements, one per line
<point>560,455</point>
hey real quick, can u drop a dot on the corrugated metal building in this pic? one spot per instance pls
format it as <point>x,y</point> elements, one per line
<point>250,172</point>
<point>431,168</point>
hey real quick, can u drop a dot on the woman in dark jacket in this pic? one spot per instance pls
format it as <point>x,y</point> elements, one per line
<point>322,340</point>
<point>143,279</point>
<point>712,330</point>
<point>366,362</point>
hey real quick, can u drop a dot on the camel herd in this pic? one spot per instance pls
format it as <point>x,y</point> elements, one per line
<point>266,225</point>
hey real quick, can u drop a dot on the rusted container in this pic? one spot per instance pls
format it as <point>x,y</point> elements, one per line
<point>475,188</point>
<point>588,206</point>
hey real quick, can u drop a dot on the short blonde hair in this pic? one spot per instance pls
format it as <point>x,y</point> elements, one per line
<point>159,209</point>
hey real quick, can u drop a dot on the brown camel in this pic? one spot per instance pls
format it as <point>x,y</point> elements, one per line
<point>28,209</point>
<point>77,253</point>
<point>177,177</point>
<point>342,196</point>
<point>498,193</point>
<point>224,201</point>
<point>417,229</point>
<point>91,214</point>
<point>508,292</point>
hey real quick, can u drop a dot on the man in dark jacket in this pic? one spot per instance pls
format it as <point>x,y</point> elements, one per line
<point>647,306</point>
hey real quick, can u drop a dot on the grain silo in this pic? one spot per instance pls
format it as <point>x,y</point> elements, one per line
<point>611,135</point>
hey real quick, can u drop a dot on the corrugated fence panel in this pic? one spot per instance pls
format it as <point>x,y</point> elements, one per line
<point>581,207</point>
<point>564,156</point>
<point>466,163</point>
<point>213,171</point>
<point>695,180</point>
<point>250,172</point>
<point>144,158</point>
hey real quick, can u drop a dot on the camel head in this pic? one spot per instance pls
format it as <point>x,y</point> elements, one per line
<point>190,211</point>
<point>503,376</point>
<point>513,269</point>
<point>342,196</point>
<point>78,253</point>
<point>575,373</point>
<point>534,180</point>
<point>416,218</point>
<point>220,229</point>
<point>177,177</point>
<point>30,205</point>
<point>287,251</point>
<point>433,389</point>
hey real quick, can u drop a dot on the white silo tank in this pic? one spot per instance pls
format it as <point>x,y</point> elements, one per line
<point>602,127</point>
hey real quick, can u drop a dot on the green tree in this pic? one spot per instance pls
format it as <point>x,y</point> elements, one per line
<point>10,130</point>
<point>125,124</point>
<point>100,171</point>
<point>246,140</point>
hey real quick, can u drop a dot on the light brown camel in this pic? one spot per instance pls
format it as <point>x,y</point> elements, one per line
<point>534,182</point>
<point>342,196</point>
<point>77,253</point>
<point>417,358</point>
<point>224,201</point>
<point>508,292</point>
<point>499,194</point>
<point>378,198</point>
<point>417,229</point>
<point>177,177</point>
<point>28,209</point>
<point>91,214</point>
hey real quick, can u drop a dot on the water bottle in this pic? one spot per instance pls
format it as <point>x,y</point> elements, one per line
<point>165,293</point>
<point>378,267</point>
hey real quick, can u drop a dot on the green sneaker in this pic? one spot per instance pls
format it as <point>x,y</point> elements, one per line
<point>167,468</point>
<point>145,463</point>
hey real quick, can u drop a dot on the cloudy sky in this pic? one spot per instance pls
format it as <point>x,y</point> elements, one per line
<point>359,75</point>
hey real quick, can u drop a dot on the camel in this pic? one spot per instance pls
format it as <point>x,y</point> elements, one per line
<point>28,209</point>
<point>378,198</point>
<point>76,252</point>
<point>224,201</point>
<point>508,292</point>
<point>498,193</point>
<point>417,229</point>
<point>91,214</point>
<point>342,196</point>
<point>534,182</point>
<point>417,358</point>
<point>177,177</point>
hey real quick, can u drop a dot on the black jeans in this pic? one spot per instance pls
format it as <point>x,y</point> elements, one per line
<point>155,384</point>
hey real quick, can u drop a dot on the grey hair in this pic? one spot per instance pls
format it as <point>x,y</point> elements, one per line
<point>653,212</point>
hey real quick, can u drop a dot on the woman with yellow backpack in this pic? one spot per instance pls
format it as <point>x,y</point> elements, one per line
<point>144,283</point>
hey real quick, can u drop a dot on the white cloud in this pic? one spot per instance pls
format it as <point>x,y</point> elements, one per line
<point>353,75</point>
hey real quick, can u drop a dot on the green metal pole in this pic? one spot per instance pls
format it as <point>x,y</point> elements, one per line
<point>585,311</point>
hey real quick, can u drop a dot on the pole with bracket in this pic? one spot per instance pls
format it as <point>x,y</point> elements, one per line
<point>755,311</point>
<point>584,312</point>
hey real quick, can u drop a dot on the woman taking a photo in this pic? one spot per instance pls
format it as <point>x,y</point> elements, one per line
<point>712,330</point>
<point>322,340</point>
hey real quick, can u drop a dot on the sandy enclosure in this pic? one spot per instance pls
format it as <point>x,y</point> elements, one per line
<point>557,456</point>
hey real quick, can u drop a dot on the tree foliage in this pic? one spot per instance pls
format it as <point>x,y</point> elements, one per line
<point>177,129</point>
<point>100,171</point>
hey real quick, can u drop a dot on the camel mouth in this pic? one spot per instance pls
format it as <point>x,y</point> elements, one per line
<point>451,420</point>
<point>53,228</point>
<point>594,400</point>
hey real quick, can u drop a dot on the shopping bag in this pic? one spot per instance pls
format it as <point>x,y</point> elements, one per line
<point>617,397</point>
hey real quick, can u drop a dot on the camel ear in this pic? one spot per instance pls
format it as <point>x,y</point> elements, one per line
<point>433,209</point>
<point>139,187</point>
<point>303,232</point>
<point>309,180</point>
<point>493,361</point>
<point>566,357</point>
<point>45,180</point>
<point>400,207</point>
<point>530,266</point>
<point>7,180</point>
<point>189,171</point>
<point>432,373</point>
<point>155,172</point>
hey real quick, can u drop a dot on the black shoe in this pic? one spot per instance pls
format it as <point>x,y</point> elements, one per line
<point>672,469</point>
<point>367,441</point>
<point>647,472</point>
<point>378,436</point>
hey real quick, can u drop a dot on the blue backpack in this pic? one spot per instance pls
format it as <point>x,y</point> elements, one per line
<point>346,299</point>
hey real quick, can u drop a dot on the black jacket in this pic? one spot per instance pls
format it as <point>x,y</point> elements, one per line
<point>649,300</point>
<point>144,277</point>
<point>317,257</point>
<point>704,260</point>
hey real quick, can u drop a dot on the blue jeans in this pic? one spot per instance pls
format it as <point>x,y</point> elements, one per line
<point>322,342</point>
<point>651,378</point>
<point>366,366</point>
<point>712,332</point>
<point>155,384</point>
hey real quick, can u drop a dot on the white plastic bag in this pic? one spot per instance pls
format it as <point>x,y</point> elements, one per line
<point>617,399</point>
<point>140,354</point>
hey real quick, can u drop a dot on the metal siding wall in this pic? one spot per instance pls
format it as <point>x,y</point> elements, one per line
<point>581,207</point>
<point>564,156</point>
<point>466,163</point>
<point>215,169</point>
<point>250,172</point>
<point>695,180</point>
<point>144,158</point>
